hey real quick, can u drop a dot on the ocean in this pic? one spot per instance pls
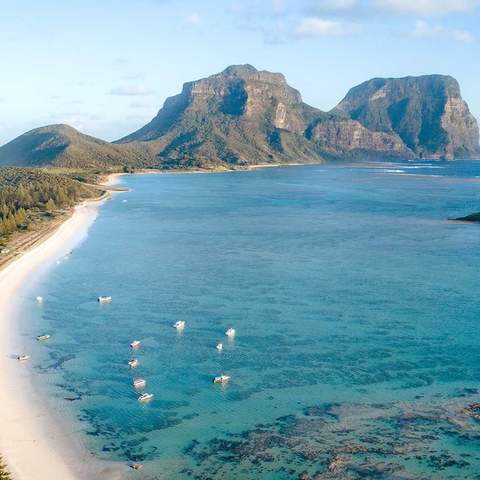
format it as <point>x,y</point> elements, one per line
<point>356,308</point>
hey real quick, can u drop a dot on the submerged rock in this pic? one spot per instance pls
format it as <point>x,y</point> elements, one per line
<point>472,410</point>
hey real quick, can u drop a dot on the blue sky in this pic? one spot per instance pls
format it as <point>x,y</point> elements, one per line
<point>106,66</point>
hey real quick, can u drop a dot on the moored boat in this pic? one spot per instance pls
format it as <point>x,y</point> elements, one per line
<point>145,397</point>
<point>136,344</point>
<point>230,332</point>
<point>180,325</point>
<point>133,363</point>
<point>219,347</point>
<point>23,358</point>
<point>136,466</point>
<point>39,299</point>
<point>104,299</point>
<point>43,337</point>
<point>139,383</point>
<point>222,379</point>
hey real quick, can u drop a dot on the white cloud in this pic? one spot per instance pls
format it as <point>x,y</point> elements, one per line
<point>134,76</point>
<point>140,105</point>
<point>311,26</point>
<point>279,6</point>
<point>426,30</point>
<point>337,5</point>
<point>193,19</point>
<point>427,7</point>
<point>130,91</point>
<point>462,36</point>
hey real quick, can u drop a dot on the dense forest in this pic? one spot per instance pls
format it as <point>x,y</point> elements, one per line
<point>28,194</point>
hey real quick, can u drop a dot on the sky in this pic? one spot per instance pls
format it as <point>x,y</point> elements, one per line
<point>106,66</point>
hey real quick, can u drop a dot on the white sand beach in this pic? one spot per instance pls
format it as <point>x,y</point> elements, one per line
<point>34,444</point>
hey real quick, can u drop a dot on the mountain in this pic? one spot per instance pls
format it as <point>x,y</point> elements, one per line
<point>243,116</point>
<point>63,146</point>
<point>427,113</point>
<point>240,116</point>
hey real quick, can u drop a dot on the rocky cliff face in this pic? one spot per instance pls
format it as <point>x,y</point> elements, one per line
<point>461,127</point>
<point>345,136</point>
<point>427,113</point>
<point>239,116</point>
<point>243,116</point>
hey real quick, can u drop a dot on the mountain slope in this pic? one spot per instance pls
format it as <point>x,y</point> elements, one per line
<point>427,113</point>
<point>63,146</point>
<point>239,116</point>
<point>243,116</point>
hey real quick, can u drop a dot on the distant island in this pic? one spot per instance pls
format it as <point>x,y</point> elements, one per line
<point>243,117</point>
<point>474,217</point>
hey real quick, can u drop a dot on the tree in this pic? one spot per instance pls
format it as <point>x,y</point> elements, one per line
<point>10,223</point>
<point>61,197</point>
<point>21,217</point>
<point>4,210</point>
<point>50,205</point>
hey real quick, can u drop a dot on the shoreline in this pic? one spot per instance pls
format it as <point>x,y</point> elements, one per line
<point>34,443</point>
<point>29,242</point>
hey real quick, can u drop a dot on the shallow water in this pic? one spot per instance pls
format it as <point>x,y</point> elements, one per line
<point>356,308</point>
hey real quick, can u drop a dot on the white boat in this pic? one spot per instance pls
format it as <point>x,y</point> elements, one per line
<point>104,299</point>
<point>145,397</point>
<point>139,383</point>
<point>39,299</point>
<point>221,379</point>
<point>133,363</point>
<point>219,347</point>
<point>230,332</point>
<point>180,325</point>
<point>23,358</point>
<point>136,466</point>
<point>136,344</point>
<point>43,337</point>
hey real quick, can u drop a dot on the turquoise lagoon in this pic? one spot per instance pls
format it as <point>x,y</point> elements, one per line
<point>356,305</point>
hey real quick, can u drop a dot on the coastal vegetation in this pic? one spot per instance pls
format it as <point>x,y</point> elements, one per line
<point>28,196</point>
<point>4,475</point>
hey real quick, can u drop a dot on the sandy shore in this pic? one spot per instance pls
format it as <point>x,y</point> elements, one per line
<point>112,179</point>
<point>34,444</point>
